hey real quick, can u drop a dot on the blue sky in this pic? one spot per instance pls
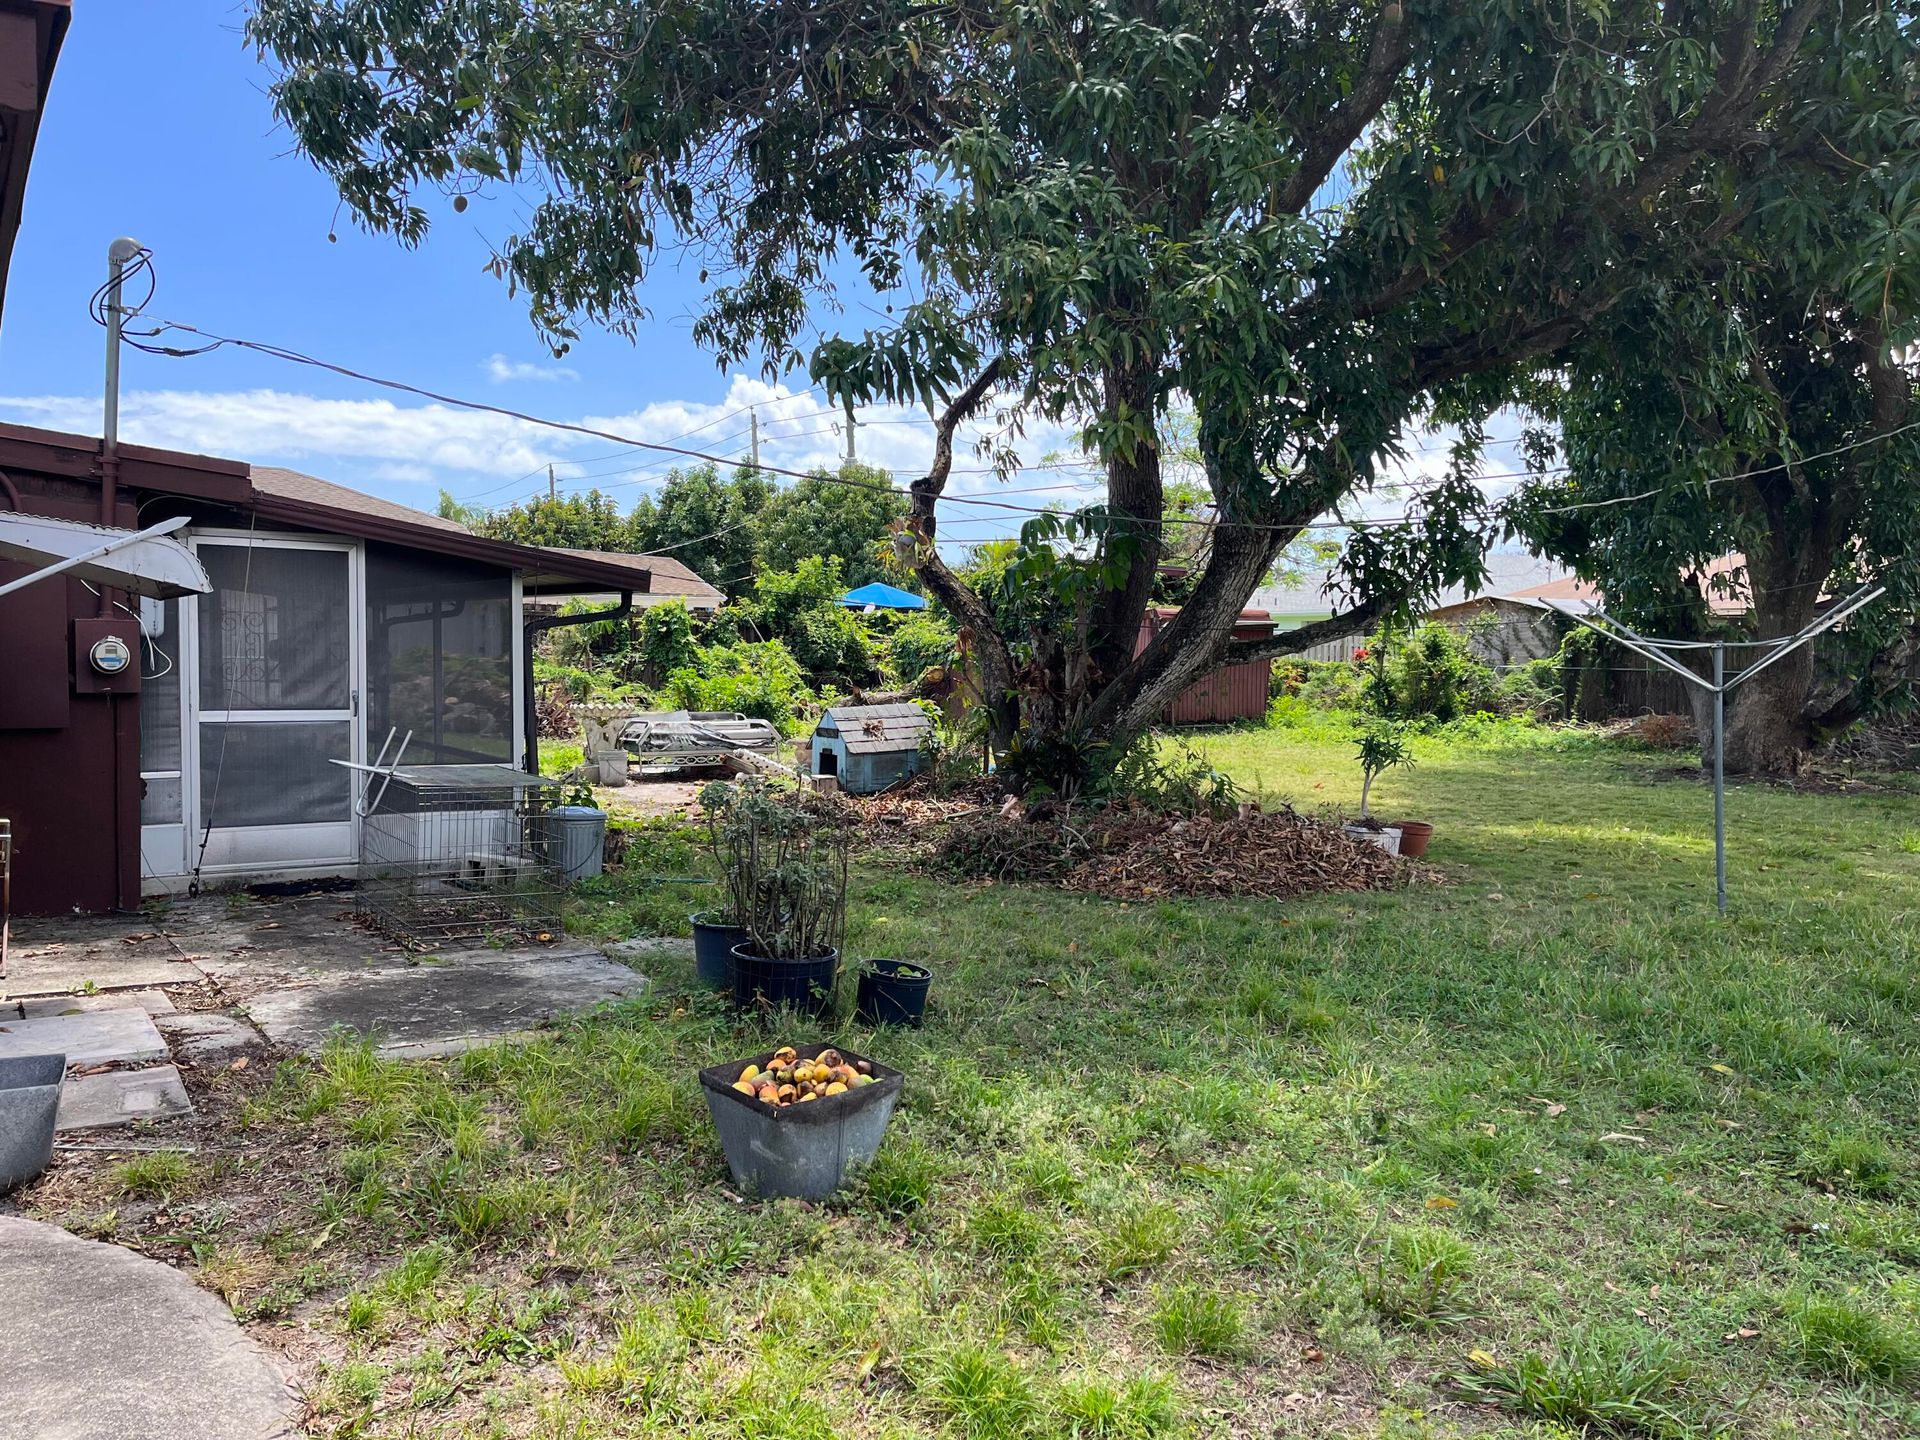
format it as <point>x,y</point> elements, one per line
<point>159,127</point>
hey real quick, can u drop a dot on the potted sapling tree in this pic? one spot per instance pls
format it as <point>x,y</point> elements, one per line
<point>783,861</point>
<point>1382,746</point>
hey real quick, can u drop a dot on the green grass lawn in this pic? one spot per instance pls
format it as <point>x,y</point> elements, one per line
<point>1548,1150</point>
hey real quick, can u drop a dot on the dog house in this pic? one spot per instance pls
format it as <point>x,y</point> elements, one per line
<point>868,748</point>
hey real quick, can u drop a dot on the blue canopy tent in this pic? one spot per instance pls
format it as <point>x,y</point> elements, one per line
<point>882,597</point>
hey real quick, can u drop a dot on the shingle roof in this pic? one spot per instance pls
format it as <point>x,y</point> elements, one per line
<point>875,729</point>
<point>668,576</point>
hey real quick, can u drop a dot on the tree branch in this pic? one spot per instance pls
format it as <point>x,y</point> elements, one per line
<point>1352,115</point>
<point>1291,642</point>
<point>996,662</point>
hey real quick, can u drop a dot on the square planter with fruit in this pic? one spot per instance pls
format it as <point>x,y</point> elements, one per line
<point>796,1121</point>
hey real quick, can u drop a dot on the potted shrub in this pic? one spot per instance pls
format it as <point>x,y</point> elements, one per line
<point>1381,747</point>
<point>784,864</point>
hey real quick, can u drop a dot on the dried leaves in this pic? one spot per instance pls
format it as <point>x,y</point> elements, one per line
<point>1135,855</point>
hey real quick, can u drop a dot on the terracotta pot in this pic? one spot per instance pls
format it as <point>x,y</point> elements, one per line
<point>1414,835</point>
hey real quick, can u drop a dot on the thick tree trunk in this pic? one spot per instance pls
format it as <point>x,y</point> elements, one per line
<point>1768,729</point>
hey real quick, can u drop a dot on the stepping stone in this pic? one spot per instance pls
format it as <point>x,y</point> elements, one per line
<point>442,1008</point>
<point>98,1037</point>
<point>63,974</point>
<point>207,1037</point>
<point>154,1002</point>
<point>120,1097</point>
<point>103,1344</point>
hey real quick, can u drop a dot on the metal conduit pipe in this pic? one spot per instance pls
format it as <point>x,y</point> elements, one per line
<point>531,629</point>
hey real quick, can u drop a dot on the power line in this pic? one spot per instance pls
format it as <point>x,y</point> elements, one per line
<point>279,352</point>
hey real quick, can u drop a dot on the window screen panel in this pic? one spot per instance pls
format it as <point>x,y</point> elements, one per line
<point>440,656</point>
<point>275,634</point>
<point>262,773</point>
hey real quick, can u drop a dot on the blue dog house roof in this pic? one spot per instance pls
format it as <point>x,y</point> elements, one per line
<point>883,597</point>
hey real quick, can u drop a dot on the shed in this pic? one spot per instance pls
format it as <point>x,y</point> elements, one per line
<point>1233,692</point>
<point>869,747</point>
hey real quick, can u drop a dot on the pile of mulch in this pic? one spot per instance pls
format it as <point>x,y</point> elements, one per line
<point>1131,854</point>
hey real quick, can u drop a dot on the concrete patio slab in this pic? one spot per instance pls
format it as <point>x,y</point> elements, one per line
<point>120,1097</point>
<point>102,1344</point>
<point>97,1037</point>
<point>154,1002</point>
<point>441,1008</point>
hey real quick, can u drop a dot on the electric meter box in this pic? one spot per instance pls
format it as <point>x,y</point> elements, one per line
<point>106,657</point>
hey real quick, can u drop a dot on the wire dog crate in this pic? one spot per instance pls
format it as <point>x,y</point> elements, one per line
<point>457,854</point>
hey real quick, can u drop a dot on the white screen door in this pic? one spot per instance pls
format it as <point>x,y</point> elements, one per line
<point>276,669</point>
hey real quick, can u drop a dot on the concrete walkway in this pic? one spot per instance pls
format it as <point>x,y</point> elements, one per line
<point>296,968</point>
<point>98,1343</point>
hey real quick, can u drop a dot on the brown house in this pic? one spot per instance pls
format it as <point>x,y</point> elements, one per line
<point>334,619</point>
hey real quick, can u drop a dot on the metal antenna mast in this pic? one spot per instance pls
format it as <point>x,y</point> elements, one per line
<point>1659,651</point>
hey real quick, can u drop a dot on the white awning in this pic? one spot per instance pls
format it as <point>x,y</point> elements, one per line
<point>143,561</point>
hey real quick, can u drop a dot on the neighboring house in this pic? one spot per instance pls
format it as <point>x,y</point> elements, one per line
<point>335,618</point>
<point>671,579</point>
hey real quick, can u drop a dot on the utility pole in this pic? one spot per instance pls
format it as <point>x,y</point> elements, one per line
<point>850,428</point>
<point>552,493</point>
<point>753,419</point>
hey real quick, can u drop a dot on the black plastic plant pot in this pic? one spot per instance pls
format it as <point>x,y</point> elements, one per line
<point>712,945</point>
<point>892,992</point>
<point>805,1151</point>
<point>805,985</point>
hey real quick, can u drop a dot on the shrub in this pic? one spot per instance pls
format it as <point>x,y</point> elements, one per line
<point>665,640</point>
<point>800,607</point>
<point>1431,675</point>
<point>1322,684</point>
<point>1168,776</point>
<point>760,679</point>
<point>919,644</point>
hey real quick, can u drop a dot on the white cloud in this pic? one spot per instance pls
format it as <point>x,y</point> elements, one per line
<point>405,448</point>
<point>502,371</point>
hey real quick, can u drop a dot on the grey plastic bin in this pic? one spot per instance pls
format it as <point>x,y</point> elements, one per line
<point>29,1102</point>
<point>577,841</point>
<point>800,1151</point>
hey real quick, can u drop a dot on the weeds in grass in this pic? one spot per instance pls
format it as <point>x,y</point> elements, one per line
<point>1093,1408</point>
<point>1138,1237</point>
<point>1197,1320</point>
<point>1003,1226</point>
<point>361,1311</point>
<point>157,1175</point>
<point>1845,1339</point>
<point>983,1392</point>
<point>1416,1274</point>
<point>903,1175</point>
<point>1616,1382</point>
<point>1836,1161</point>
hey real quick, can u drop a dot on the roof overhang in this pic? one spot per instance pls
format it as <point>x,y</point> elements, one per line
<point>542,570</point>
<point>145,562</point>
<point>30,35</point>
